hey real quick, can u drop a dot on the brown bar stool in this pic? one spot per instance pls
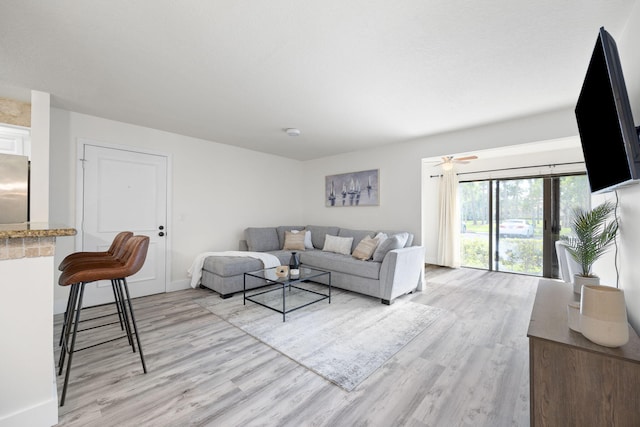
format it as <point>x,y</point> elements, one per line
<point>116,248</point>
<point>115,251</point>
<point>78,275</point>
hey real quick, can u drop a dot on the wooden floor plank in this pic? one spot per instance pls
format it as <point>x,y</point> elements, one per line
<point>469,367</point>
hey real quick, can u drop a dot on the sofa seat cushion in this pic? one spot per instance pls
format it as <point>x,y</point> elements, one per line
<point>227,266</point>
<point>340,263</point>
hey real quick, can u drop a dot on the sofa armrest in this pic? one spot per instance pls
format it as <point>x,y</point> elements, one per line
<point>401,272</point>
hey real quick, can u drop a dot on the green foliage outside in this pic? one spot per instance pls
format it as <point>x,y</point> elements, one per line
<point>475,253</point>
<point>524,257</point>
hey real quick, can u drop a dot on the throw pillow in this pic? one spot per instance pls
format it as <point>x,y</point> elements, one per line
<point>381,236</point>
<point>293,241</point>
<point>307,238</point>
<point>365,249</point>
<point>339,245</point>
<point>403,238</point>
<point>389,244</point>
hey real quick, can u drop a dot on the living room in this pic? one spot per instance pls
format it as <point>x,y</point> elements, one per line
<point>217,190</point>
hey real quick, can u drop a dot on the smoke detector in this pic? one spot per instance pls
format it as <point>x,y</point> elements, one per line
<point>292,131</point>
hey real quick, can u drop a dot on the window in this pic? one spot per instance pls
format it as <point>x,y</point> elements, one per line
<point>511,224</point>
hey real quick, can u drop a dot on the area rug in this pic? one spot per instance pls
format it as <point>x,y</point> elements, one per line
<point>344,342</point>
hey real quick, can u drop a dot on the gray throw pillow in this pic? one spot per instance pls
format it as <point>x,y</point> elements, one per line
<point>389,244</point>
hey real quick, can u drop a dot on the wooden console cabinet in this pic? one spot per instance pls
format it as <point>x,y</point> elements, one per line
<point>573,381</point>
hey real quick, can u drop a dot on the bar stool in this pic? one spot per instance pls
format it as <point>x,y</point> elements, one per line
<point>78,275</point>
<point>115,251</point>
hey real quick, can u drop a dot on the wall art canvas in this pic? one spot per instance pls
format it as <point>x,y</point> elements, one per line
<point>353,189</point>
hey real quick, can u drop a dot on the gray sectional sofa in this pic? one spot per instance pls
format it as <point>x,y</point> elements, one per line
<point>388,275</point>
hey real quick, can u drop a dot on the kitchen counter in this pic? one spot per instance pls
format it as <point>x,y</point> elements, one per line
<point>30,240</point>
<point>34,229</point>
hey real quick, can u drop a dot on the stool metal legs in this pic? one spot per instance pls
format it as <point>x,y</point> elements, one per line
<point>119,307</point>
<point>123,283</point>
<point>70,326</point>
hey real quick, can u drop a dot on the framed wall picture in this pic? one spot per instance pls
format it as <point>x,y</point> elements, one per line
<point>353,189</point>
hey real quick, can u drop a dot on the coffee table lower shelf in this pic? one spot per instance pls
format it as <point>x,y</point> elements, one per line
<point>286,294</point>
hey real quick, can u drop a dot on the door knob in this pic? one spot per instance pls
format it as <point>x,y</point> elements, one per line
<point>161,227</point>
<point>161,234</point>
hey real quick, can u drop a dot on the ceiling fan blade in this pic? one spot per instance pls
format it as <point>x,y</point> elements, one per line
<point>466,158</point>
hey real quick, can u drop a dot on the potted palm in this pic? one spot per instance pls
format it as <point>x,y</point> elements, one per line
<point>592,236</point>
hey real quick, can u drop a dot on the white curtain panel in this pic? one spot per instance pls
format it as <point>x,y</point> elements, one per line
<point>449,229</point>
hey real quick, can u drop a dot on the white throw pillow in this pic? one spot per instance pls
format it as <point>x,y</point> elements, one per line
<point>307,240</point>
<point>339,245</point>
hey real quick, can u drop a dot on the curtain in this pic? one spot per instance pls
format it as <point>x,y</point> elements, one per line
<point>449,227</point>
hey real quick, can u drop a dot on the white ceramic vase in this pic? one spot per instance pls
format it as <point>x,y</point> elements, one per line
<point>573,316</point>
<point>579,280</point>
<point>603,315</point>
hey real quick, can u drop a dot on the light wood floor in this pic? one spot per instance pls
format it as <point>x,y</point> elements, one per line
<point>469,368</point>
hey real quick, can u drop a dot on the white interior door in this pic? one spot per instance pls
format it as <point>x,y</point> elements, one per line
<point>125,191</point>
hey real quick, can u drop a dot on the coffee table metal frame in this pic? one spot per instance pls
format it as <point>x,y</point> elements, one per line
<point>268,275</point>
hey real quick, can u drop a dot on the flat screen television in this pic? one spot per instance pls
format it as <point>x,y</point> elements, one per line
<point>609,137</point>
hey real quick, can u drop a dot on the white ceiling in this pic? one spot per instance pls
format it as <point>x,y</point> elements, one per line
<point>350,74</point>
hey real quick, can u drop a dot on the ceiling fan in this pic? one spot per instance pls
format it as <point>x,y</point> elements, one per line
<point>448,161</point>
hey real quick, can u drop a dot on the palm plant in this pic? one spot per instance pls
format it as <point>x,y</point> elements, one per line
<point>592,235</point>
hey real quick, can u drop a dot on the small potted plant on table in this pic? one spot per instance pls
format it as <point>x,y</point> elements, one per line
<point>592,236</point>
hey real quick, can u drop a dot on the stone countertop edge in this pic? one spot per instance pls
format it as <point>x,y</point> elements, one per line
<point>34,229</point>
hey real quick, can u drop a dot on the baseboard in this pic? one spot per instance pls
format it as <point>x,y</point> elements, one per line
<point>43,414</point>
<point>179,285</point>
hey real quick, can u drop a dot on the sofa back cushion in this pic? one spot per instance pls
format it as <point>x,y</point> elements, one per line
<point>318,233</point>
<point>357,235</point>
<point>262,239</point>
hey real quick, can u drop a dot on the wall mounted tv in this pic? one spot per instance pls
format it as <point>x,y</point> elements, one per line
<point>610,140</point>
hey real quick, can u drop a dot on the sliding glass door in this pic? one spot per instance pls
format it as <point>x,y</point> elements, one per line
<point>512,224</point>
<point>519,219</point>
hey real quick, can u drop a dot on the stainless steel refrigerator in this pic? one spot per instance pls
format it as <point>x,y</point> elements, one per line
<point>14,189</point>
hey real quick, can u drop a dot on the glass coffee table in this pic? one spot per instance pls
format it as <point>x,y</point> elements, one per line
<point>287,294</point>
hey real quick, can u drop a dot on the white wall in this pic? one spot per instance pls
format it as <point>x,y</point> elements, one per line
<point>401,171</point>
<point>39,185</point>
<point>217,190</point>
<point>629,197</point>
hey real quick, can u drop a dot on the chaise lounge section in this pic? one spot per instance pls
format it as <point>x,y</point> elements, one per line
<point>393,269</point>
